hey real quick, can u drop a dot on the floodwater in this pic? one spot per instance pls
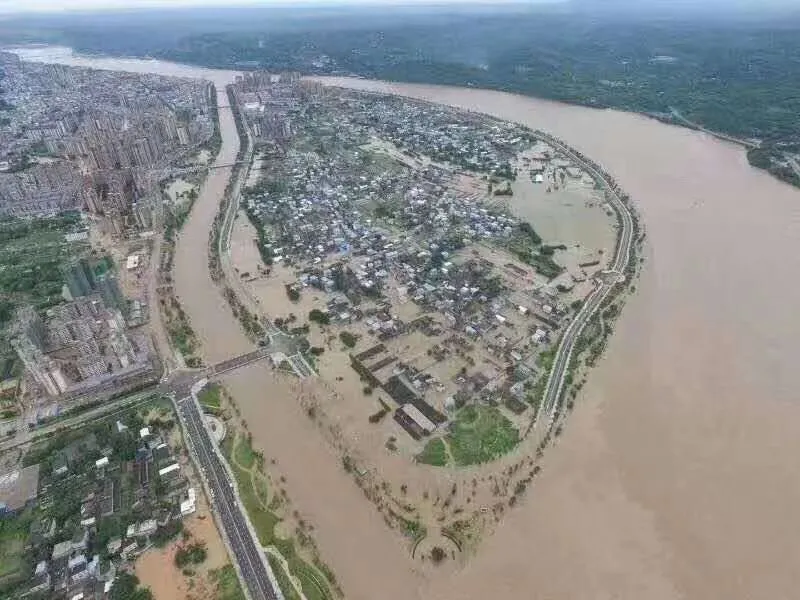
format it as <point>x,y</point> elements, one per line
<point>677,475</point>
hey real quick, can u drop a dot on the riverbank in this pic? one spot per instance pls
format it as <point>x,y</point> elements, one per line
<point>695,195</point>
<point>686,429</point>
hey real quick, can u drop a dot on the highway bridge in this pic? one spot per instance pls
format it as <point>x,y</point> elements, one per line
<point>236,362</point>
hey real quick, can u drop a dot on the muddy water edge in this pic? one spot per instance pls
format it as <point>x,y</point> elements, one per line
<point>677,474</point>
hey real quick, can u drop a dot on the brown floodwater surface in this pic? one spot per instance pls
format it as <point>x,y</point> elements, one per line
<point>677,475</point>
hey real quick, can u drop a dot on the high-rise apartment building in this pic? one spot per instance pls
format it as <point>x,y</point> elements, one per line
<point>78,341</point>
<point>28,340</point>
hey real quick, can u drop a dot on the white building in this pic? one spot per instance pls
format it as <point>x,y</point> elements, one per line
<point>189,505</point>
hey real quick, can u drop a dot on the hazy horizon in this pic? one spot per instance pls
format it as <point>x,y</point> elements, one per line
<point>54,6</point>
<point>32,7</point>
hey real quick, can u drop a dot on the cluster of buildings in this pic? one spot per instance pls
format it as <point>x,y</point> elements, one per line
<point>435,131</point>
<point>42,190</point>
<point>368,203</point>
<point>82,344</point>
<point>84,276</point>
<point>319,204</point>
<point>76,346</point>
<point>101,500</point>
<point>74,138</point>
<point>270,102</point>
<point>473,312</point>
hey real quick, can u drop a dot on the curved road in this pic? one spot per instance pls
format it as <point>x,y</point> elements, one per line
<point>555,382</point>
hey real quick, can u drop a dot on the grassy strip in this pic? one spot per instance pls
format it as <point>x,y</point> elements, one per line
<point>210,396</point>
<point>227,584</point>
<point>263,239</point>
<point>312,581</point>
<point>214,264</point>
<point>289,593</point>
<point>214,144</point>
<point>248,320</point>
<point>434,453</point>
<point>264,521</point>
<point>180,331</point>
<point>253,492</point>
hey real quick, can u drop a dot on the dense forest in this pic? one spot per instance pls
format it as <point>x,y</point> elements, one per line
<point>735,75</point>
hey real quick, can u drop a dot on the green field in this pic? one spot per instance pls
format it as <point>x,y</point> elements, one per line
<point>227,583</point>
<point>261,489</point>
<point>31,254</point>
<point>479,434</point>
<point>244,456</point>
<point>11,548</point>
<point>434,453</point>
<point>210,396</point>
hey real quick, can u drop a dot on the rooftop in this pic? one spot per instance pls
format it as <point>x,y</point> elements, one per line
<point>19,487</point>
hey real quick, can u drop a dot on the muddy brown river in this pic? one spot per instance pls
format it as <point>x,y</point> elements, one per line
<point>677,475</point>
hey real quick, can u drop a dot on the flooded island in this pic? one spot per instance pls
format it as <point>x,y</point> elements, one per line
<point>454,402</point>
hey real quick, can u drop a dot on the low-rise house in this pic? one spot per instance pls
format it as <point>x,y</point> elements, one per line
<point>169,471</point>
<point>61,549</point>
<point>41,579</point>
<point>80,541</point>
<point>114,546</point>
<point>189,505</point>
<point>147,527</point>
<point>129,549</point>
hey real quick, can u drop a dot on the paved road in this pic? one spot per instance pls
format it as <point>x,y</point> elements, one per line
<point>555,382</point>
<point>243,542</point>
<point>236,362</point>
<point>178,383</point>
<point>106,410</point>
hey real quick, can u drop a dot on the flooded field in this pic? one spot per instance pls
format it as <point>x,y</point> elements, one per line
<point>178,189</point>
<point>156,568</point>
<point>677,474</point>
<point>687,428</point>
